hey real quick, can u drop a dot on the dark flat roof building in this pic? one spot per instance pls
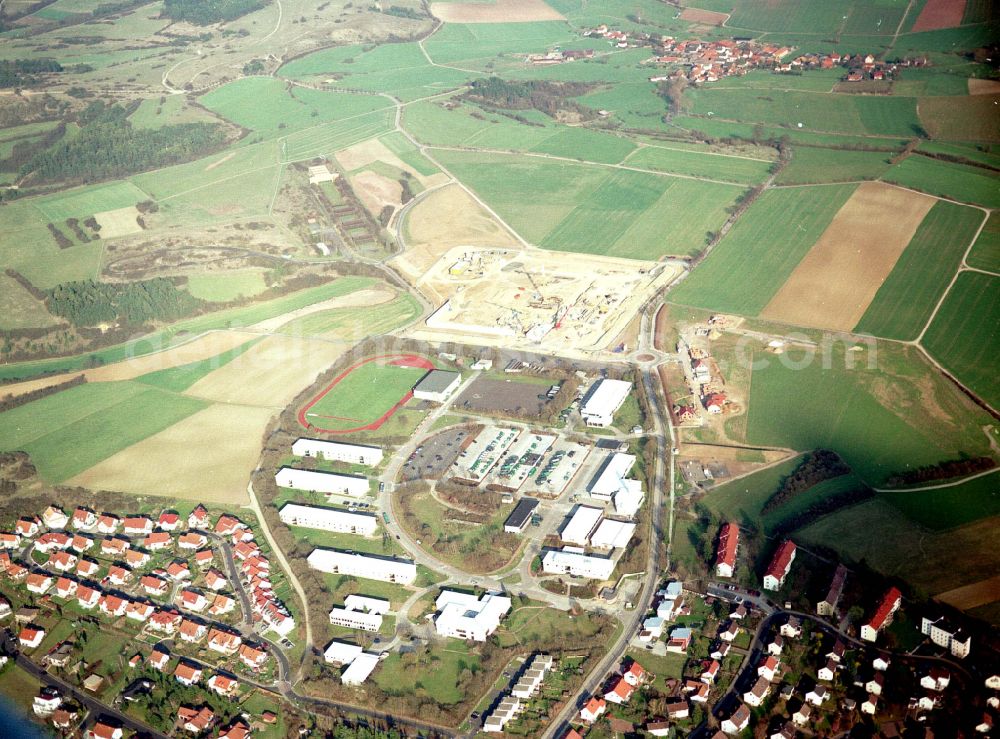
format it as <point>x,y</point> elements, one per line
<point>519,517</point>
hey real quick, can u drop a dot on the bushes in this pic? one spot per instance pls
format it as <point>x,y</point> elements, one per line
<point>816,467</point>
<point>89,303</point>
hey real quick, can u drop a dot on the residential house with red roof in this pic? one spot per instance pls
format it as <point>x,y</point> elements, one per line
<point>112,605</point>
<point>65,587</point>
<point>223,684</point>
<point>593,710</point>
<point>87,597</point>
<point>137,525</point>
<point>223,642</point>
<point>187,673</point>
<point>882,617</point>
<point>104,730</point>
<point>28,527</point>
<point>108,523</point>
<point>203,558</point>
<point>726,551</point>
<point>10,540</point>
<point>84,518</point>
<point>39,583</point>
<point>165,622</point>
<point>119,575</point>
<point>53,540</point>
<point>139,611</point>
<point>215,580</point>
<point>136,558</point>
<point>198,518</point>
<point>159,658</point>
<point>168,521</point>
<point>191,540</point>
<point>619,692</point>
<point>195,720</point>
<point>193,600</point>
<point>780,566</point>
<point>114,547</point>
<point>252,657</point>
<point>81,543</point>
<point>63,561</point>
<point>158,541</point>
<point>178,571</point>
<point>192,631</point>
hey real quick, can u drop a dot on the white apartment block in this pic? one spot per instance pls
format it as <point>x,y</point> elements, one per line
<point>368,566</point>
<point>328,519</point>
<point>335,451</point>
<point>464,616</point>
<point>572,561</point>
<point>946,635</point>
<point>330,483</point>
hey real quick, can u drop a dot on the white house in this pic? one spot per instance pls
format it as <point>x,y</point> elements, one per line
<point>580,526</point>
<point>603,400</point>
<point>336,451</point>
<point>725,553</point>
<point>341,653</point>
<point>738,721</point>
<point>756,695</point>
<point>331,483</point>
<point>368,566</point>
<point>936,679</point>
<point>818,695</point>
<point>360,668</point>
<point>351,619</point>
<point>463,616</point>
<point>328,519</point>
<point>572,561</point>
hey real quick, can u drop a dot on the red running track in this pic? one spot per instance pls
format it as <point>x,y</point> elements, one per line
<point>401,360</point>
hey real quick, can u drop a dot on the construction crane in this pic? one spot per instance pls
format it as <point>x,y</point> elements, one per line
<point>537,295</point>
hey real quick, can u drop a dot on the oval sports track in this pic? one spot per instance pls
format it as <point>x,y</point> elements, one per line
<point>373,384</point>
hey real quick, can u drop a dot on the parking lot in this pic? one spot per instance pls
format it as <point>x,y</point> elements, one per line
<point>519,397</point>
<point>433,458</point>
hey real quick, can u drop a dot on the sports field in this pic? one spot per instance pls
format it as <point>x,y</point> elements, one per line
<point>904,302</point>
<point>963,336</point>
<point>755,258</point>
<point>365,395</point>
<point>836,280</point>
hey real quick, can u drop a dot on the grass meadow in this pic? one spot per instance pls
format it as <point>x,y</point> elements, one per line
<point>226,286</point>
<point>72,431</point>
<point>364,395</point>
<point>897,416</point>
<point>947,508</point>
<point>956,181</point>
<point>752,262</point>
<point>904,302</point>
<point>742,170</point>
<point>962,336</point>
<point>347,324</point>
<point>179,379</point>
<point>566,206</point>
<point>985,253</point>
<point>814,165</point>
<point>20,309</point>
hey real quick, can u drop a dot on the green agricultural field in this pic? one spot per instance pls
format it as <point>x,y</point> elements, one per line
<point>752,262</point>
<point>749,131</point>
<point>930,81</point>
<point>458,42</point>
<point>327,138</point>
<point>582,208</point>
<point>700,164</point>
<point>981,153</point>
<point>347,324</point>
<point>961,118</point>
<point>270,107</point>
<point>788,16</point>
<point>364,395</point>
<point>83,202</point>
<point>225,286</point>
<point>956,181</point>
<point>947,508</point>
<point>904,302</point>
<point>852,114</point>
<point>811,165</point>
<point>986,252</point>
<point>72,431</point>
<point>179,379</point>
<point>585,144</point>
<point>402,147</point>
<point>962,336</point>
<point>231,318</point>
<point>741,500</point>
<point>174,109</point>
<point>19,309</point>
<point>896,416</point>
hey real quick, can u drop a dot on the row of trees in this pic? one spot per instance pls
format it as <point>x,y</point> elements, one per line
<point>205,12</point>
<point>108,146</point>
<point>817,466</point>
<point>547,97</point>
<point>88,303</point>
<point>17,72</point>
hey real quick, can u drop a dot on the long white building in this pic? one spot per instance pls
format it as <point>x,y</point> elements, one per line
<point>321,482</point>
<point>581,525</point>
<point>336,451</point>
<point>351,619</point>
<point>360,668</point>
<point>368,566</point>
<point>613,483</point>
<point>328,519</point>
<point>612,534</point>
<point>603,400</point>
<point>341,653</point>
<point>464,616</point>
<point>572,561</point>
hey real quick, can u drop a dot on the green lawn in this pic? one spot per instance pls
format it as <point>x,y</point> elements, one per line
<point>896,416</point>
<point>755,258</point>
<point>700,164</point>
<point>225,286</point>
<point>350,325</point>
<point>457,42</point>
<point>29,248</point>
<point>947,508</point>
<point>436,672</point>
<point>364,395</point>
<point>80,428</point>
<point>963,335</point>
<point>904,302</point>
<point>957,181</point>
<point>810,165</point>
<point>19,308</point>
<point>406,150</point>
<point>986,252</point>
<point>83,202</point>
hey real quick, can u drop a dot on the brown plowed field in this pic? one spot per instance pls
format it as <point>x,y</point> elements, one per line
<point>502,11</point>
<point>834,283</point>
<point>972,596</point>
<point>940,14</point>
<point>708,17</point>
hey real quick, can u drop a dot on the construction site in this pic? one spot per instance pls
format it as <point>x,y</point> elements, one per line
<point>538,299</point>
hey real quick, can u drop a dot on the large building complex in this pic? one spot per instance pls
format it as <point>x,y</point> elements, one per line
<point>581,525</point>
<point>368,566</point>
<point>882,617</point>
<point>328,519</point>
<point>463,616</point>
<point>828,606</point>
<point>360,612</point>
<point>725,555</point>
<point>611,534</point>
<point>336,451</point>
<point>331,483</point>
<point>603,400</point>
<point>613,484</point>
<point>573,561</point>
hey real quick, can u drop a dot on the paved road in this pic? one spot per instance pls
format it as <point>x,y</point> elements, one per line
<point>96,707</point>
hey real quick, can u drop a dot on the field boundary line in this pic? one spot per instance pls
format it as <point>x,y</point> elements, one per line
<point>643,145</point>
<point>952,484</point>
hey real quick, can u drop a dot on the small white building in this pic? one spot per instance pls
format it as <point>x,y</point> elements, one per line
<point>341,653</point>
<point>603,400</point>
<point>336,451</point>
<point>463,616</point>
<point>360,668</point>
<point>581,525</point>
<point>612,534</point>
<point>572,561</point>
<point>370,566</point>
<point>331,483</point>
<point>437,386</point>
<point>328,519</point>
